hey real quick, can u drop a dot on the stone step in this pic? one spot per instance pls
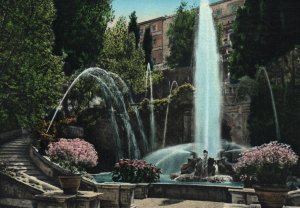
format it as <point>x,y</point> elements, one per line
<point>8,161</point>
<point>20,151</point>
<point>34,172</point>
<point>16,147</point>
<point>13,157</point>
<point>16,143</point>
<point>17,163</point>
<point>21,168</point>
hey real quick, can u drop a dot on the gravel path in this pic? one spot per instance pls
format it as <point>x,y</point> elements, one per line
<point>175,203</point>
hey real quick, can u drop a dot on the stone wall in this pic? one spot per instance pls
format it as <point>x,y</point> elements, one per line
<point>190,192</point>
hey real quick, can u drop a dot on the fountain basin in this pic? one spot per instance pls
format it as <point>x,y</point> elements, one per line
<point>193,191</point>
<point>167,188</point>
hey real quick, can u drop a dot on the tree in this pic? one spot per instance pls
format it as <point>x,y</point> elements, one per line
<point>220,35</point>
<point>134,28</point>
<point>181,36</point>
<point>31,76</point>
<point>263,31</point>
<point>119,55</point>
<point>147,47</point>
<point>79,30</point>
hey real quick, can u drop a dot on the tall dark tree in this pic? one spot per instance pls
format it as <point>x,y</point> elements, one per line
<point>263,31</point>
<point>31,76</point>
<point>147,46</point>
<point>79,30</point>
<point>181,36</point>
<point>134,28</point>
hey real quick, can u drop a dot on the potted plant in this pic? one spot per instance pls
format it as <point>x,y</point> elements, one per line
<point>136,171</point>
<point>269,164</point>
<point>73,155</point>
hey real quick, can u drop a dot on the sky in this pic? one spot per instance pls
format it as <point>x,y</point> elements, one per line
<point>149,9</point>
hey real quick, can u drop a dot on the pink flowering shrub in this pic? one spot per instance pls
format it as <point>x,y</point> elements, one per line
<point>268,164</point>
<point>74,155</point>
<point>135,171</point>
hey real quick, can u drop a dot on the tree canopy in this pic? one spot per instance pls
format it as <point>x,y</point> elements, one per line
<point>263,31</point>
<point>79,29</point>
<point>134,28</point>
<point>181,36</point>
<point>119,55</point>
<point>31,76</point>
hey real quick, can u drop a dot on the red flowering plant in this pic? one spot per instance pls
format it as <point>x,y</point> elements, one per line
<point>73,155</point>
<point>135,171</point>
<point>268,164</point>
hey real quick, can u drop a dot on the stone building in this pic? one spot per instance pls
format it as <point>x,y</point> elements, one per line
<point>224,11</point>
<point>159,28</point>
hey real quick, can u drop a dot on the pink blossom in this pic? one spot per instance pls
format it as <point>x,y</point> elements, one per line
<point>272,153</point>
<point>75,151</point>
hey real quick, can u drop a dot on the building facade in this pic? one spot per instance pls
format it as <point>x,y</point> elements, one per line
<point>160,41</point>
<point>223,11</point>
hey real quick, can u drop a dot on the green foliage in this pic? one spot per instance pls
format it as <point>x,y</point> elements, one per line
<point>31,76</point>
<point>263,31</point>
<point>179,97</point>
<point>147,47</point>
<point>134,28</point>
<point>181,36</point>
<point>135,171</point>
<point>120,56</point>
<point>79,30</point>
<point>220,35</point>
<point>183,94</point>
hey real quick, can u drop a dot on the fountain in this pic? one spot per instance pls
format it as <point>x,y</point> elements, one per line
<point>207,130</point>
<point>136,112</point>
<point>207,83</point>
<point>115,100</point>
<point>152,118</point>
<point>262,69</point>
<point>167,113</point>
<point>207,99</point>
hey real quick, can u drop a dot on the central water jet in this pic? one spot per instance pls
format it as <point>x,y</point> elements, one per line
<point>208,85</point>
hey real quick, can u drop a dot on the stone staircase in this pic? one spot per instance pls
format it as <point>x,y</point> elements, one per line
<point>16,155</point>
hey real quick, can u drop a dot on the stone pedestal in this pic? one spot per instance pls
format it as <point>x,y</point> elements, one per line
<point>83,199</point>
<point>141,190</point>
<point>243,196</point>
<point>116,195</point>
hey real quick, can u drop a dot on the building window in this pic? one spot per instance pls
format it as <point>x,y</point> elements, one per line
<point>153,28</point>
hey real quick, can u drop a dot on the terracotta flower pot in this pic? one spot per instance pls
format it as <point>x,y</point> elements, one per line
<point>272,196</point>
<point>70,183</point>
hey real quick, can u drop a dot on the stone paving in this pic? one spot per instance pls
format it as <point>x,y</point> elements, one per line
<point>177,203</point>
